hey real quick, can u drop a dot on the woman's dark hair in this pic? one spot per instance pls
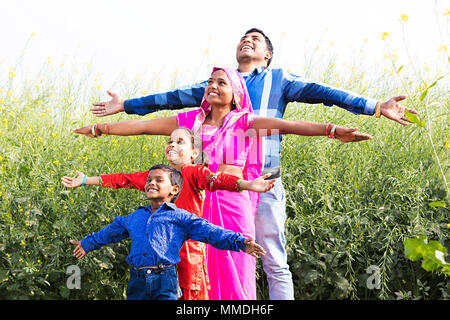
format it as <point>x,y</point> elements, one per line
<point>176,179</point>
<point>268,42</point>
<point>197,143</point>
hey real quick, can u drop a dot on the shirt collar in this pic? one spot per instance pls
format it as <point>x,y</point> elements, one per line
<point>165,205</point>
<point>257,70</point>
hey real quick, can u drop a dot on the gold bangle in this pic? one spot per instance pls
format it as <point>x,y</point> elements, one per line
<point>378,110</point>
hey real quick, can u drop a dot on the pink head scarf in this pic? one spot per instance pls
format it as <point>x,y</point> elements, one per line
<point>241,99</point>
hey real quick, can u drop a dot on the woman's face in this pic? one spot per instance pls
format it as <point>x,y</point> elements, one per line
<point>219,91</point>
<point>179,149</point>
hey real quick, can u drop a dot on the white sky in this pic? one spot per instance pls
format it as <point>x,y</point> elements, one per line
<point>164,36</point>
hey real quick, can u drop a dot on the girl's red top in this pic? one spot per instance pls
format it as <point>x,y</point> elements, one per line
<point>192,267</point>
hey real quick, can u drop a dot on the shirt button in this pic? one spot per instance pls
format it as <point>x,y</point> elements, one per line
<point>143,254</point>
<point>149,271</point>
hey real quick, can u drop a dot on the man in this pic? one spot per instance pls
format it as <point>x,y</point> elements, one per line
<point>270,91</point>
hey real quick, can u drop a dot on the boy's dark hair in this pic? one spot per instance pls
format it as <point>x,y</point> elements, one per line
<point>176,179</point>
<point>268,42</point>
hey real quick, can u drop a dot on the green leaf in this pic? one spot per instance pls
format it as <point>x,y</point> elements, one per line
<point>399,69</point>
<point>424,94</point>
<point>415,248</point>
<point>435,204</point>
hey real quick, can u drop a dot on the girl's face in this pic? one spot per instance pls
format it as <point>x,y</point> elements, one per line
<point>179,148</point>
<point>219,90</point>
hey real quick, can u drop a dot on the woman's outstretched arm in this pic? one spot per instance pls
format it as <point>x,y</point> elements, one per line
<point>159,126</point>
<point>273,126</point>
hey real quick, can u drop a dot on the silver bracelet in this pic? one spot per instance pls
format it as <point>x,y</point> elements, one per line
<point>93,130</point>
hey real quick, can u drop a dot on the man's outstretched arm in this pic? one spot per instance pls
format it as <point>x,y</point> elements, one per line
<point>183,97</point>
<point>301,90</point>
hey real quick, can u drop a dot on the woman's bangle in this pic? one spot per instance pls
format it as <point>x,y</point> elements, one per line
<point>332,132</point>
<point>93,130</point>
<point>326,129</point>
<point>83,183</point>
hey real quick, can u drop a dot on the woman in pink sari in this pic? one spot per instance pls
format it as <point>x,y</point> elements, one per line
<point>232,276</point>
<point>230,132</point>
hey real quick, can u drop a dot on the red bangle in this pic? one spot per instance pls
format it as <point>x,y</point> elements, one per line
<point>326,129</point>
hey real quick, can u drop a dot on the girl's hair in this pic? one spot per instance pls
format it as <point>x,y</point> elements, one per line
<point>197,143</point>
<point>176,179</point>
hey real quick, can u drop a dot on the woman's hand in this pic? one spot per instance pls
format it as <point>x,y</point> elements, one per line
<point>87,131</point>
<point>345,134</point>
<point>69,182</point>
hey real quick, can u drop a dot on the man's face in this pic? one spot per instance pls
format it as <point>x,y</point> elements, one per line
<point>158,186</point>
<point>253,46</point>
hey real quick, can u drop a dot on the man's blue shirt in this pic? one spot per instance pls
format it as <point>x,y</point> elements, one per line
<point>270,91</point>
<point>156,238</point>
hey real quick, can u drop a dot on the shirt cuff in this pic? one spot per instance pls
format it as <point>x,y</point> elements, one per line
<point>128,107</point>
<point>369,109</point>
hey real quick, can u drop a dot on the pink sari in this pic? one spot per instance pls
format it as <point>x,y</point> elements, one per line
<point>232,274</point>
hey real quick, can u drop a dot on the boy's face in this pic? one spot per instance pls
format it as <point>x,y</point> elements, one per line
<point>253,46</point>
<point>159,187</point>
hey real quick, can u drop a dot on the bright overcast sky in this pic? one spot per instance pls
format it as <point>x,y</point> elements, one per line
<point>166,36</point>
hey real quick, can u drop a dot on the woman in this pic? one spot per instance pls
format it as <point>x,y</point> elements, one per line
<point>230,131</point>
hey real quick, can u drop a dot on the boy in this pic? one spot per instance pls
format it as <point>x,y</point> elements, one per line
<point>157,234</point>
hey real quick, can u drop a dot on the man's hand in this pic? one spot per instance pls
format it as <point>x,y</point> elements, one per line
<point>391,109</point>
<point>113,106</point>
<point>253,249</point>
<point>78,252</point>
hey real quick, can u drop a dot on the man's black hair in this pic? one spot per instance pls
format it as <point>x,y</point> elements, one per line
<point>268,42</point>
<point>176,179</point>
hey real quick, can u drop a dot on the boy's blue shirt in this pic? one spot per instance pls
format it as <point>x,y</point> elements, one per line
<point>270,91</point>
<point>156,238</point>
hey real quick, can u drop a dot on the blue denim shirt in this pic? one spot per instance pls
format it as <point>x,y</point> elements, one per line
<point>270,91</point>
<point>156,238</point>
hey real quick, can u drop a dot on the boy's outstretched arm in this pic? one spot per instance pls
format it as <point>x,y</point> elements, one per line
<point>200,229</point>
<point>78,252</point>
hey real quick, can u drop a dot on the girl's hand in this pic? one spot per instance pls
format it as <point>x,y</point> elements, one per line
<point>260,184</point>
<point>69,182</point>
<point>78,252</point>
<point>350,134</point>
<point>253,249</point>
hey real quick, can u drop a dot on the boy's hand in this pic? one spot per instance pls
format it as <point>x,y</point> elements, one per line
<point>350,134</point>
<point>113,106</point>
<point>69,182</point>
<point>253,249</point>
<point>259,184</point>
<point>78,252</point>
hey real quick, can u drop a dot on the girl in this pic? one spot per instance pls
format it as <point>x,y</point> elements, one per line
<point>230,132</point>
<point>182,151</point>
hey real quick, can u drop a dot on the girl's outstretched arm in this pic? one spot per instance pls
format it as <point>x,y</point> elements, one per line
<point>76,182</point>
<point>273,126</point>
<point>159,126</point>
